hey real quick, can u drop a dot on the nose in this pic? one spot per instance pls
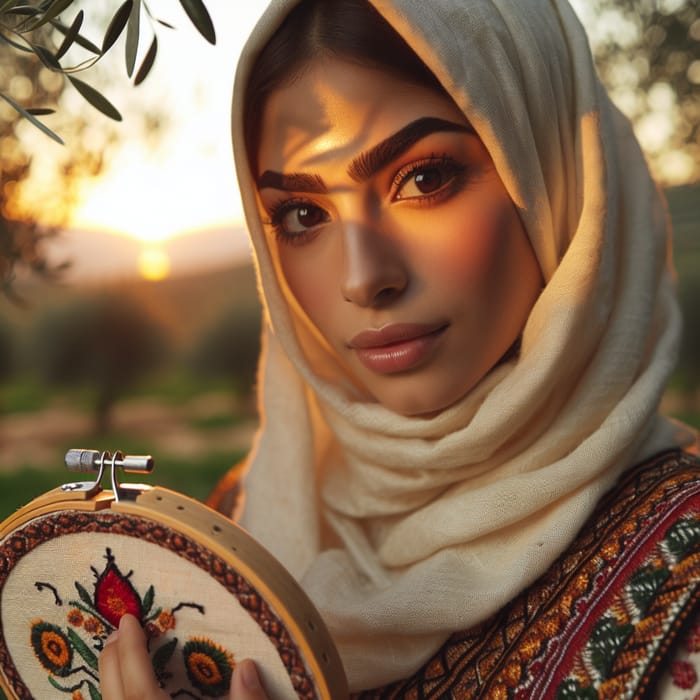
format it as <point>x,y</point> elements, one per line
<point>374,271</point>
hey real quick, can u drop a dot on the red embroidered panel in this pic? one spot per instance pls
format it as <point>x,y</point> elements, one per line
<point>600,623</point>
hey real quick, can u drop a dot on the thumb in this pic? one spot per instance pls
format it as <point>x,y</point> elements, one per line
<point>246,683</point>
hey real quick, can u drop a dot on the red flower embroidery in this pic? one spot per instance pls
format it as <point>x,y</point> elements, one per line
<point>684,675</point>
<point>115,596</point>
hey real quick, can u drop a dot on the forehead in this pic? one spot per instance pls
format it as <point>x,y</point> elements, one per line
<point>337,109</point>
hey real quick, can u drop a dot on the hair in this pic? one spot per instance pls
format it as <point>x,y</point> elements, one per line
<point>351,30</point>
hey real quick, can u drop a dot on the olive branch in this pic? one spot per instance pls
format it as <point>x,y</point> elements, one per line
<point>27,27</point>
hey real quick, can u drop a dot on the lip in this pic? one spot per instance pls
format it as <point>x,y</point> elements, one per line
<point>397,347</point>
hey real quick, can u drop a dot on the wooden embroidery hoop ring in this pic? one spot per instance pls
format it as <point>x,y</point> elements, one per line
<point>231,553</point>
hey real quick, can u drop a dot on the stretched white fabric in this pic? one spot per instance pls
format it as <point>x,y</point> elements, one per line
<point>402,529</point>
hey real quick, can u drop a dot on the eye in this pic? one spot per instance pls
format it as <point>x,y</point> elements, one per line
<point>427,178</point>
<point>299,218</point>
<point>294,221</point>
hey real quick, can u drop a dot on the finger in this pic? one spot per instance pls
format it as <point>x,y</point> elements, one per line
<point>137,676</point>
<point>246,684</point>
<point>108,667</point>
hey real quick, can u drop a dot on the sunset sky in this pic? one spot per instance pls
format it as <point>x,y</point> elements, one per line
<point>187,182</point>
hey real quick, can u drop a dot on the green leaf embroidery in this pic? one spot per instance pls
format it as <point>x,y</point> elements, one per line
<point>84,595</point>
<point>607,639</point>
<point>571,689</point>
<point>82,649</point>
<point>147,602</point>
<point>683,537</point>
<point>644,584</point>
<point>163,654</point>
<point>94,693</point>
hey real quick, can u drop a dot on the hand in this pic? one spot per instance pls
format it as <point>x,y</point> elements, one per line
<point>126,672</point>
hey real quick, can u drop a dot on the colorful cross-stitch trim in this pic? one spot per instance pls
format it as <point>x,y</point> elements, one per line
<point>63,650</point>
<point>602,621</point>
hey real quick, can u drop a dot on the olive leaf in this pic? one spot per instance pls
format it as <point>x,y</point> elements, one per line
<point>132,36</point>
<point>20,18</point>
<point>28,115</point>
<point>95,98</point>
<point>116,25</point>
<point>79,39</point>
<point>147,63</point>
<point>53,11</point>
<point>199,16</point>
<point>71,35</point>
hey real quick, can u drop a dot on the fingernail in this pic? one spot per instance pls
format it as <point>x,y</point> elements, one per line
<point>249,675</point>
<point>128,619</point>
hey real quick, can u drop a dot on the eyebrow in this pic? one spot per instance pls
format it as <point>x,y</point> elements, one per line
<point>368,163</point>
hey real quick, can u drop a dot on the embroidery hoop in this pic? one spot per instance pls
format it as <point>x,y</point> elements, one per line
<point>256,603</point>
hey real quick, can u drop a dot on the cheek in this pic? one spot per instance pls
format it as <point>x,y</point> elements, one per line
<point>469,251</point>
<point>312,278</point>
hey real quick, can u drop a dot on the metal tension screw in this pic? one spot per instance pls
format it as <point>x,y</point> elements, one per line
<point>78,460</point>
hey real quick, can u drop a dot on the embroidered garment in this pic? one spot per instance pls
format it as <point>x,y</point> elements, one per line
<point>403,530</point>
<point>603,620</point>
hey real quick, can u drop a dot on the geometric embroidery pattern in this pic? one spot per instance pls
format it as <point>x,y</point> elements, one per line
<point>68,653</point>
<point>601,622</point>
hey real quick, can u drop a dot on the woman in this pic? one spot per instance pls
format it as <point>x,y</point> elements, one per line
<point>470,323</point>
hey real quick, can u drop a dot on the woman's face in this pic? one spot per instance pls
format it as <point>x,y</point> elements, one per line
<point>394,232</point>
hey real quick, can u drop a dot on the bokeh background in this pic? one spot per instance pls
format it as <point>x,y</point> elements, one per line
<point>129,317</point>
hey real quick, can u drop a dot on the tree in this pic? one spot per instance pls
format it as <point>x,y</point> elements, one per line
<point>230,347</point>
<point>40,55</point>
<point>106,343</point>
<point>648,56</point>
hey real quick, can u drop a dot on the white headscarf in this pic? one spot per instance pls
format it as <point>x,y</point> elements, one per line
<point>403,530</point>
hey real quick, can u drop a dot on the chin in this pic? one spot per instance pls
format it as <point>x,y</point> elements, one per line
<point>419,405</point>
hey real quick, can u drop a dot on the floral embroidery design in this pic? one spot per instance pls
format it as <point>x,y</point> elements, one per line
<point>24,541</point>
<point>52,648</point>
<point>70,654</point>
<point>208,666</point>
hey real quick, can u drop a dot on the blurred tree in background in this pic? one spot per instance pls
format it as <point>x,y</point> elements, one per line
<point>106,343</point>
<point>689,361</point>
<point>40,54</point>
<point>648,56</point>
<point>230,348</point>
<point>7,351</point>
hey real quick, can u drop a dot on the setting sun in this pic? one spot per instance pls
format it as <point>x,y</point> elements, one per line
<point>154,264</point>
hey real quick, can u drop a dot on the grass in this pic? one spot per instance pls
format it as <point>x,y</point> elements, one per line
<point>216,421</point>
<point>24,395</point>
<point>691,418</point>
<point>193,477</point>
